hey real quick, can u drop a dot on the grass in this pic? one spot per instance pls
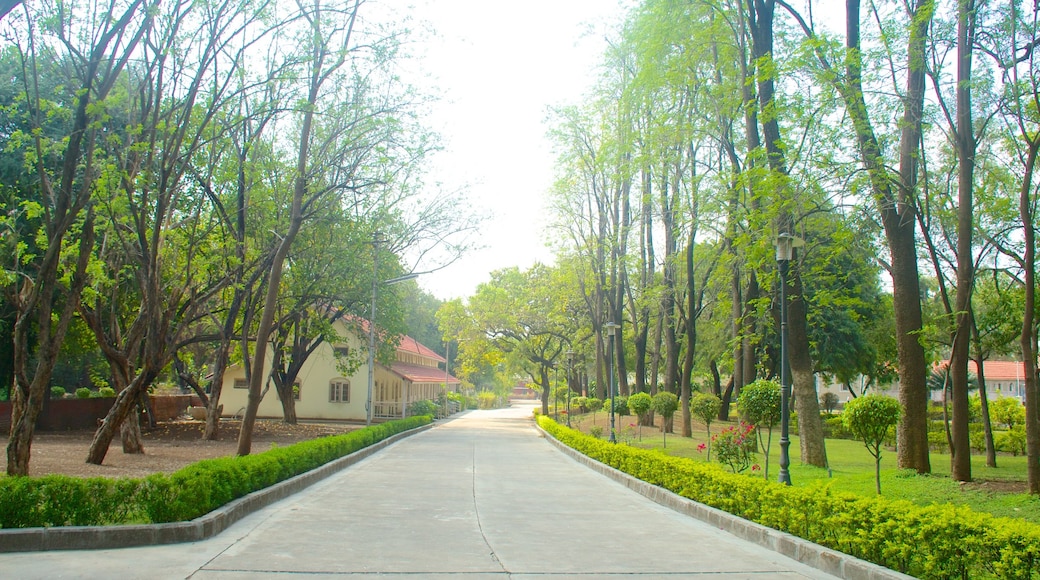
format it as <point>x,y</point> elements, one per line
<point>852,468</point>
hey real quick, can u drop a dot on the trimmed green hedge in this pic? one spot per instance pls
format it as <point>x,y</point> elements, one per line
<point>938,541</point>
<point>195,490</point>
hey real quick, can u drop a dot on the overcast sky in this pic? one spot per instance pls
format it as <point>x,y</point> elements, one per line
<point>499,66</point>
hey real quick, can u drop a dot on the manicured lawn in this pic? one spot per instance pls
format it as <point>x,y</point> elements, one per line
<point>852,469</point>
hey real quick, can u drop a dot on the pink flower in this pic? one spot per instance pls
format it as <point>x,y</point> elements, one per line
<point>756,467</point>
<point>701,448</point>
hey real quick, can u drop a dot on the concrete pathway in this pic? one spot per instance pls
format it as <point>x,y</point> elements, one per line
<point>480,496</point>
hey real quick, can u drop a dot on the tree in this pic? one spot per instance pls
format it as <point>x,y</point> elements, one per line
<point>665,404</point>
<point>759,405</point>
<point>705,406</point>
<point>640,404</point>
<point>893,187</point>
<point>829,402</point>
<point>871,418</point>
<point>45,286</point>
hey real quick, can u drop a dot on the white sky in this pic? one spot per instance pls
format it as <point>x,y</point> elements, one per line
<point>500,66</point>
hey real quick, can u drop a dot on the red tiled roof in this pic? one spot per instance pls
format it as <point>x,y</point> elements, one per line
<point>421,374</point>
<point>407,343</point>
<point>996,370</point>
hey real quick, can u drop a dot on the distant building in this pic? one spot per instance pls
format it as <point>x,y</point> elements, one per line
<point>1003,379</point>
<point>324,392</point>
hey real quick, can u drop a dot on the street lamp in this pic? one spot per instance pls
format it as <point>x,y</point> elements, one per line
<point>372,324</point>
<point>785,245</point>
<point>570,373</point>
<point>611,329</point>
<point>554,389</point>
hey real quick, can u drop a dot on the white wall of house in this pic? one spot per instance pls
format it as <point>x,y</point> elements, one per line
<point>322,388</point>
<point>326,393</point>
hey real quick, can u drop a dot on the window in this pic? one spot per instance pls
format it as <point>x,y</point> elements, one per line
<point>241,384</point>
<point>339,391</point>
<point>341,351</point>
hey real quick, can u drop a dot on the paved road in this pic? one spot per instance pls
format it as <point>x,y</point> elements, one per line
<point>480,496</point>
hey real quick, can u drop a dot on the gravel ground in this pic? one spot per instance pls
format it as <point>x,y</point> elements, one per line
<point>168,447</point>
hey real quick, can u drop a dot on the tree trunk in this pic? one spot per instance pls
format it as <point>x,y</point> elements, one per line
<point>806,399</point>
<point>126,401</point>
<point>1027,338</point>
<point>965,147</point>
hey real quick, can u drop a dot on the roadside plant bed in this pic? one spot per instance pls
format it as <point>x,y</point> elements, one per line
<point>199,488</point>
<point>938,541</point>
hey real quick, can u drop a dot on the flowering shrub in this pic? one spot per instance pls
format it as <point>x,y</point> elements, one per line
<point>735,446</point>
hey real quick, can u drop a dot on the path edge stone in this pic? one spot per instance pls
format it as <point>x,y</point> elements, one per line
<point>825,559</point>
<point>200,528</point>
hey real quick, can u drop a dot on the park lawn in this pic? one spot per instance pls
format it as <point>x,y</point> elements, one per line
<point>852,469</point>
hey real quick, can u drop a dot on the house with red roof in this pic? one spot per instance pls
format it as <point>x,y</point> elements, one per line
<point>330,388</point>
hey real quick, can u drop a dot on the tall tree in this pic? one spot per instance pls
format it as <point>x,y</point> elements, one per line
<point>895,197</point>
<point>97,41</point>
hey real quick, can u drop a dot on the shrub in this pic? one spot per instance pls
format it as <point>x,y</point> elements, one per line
<point>424,407</point>
<point>1013,441</point>
<point>937,541</point>
<point>83,393</point>
<point>640,404</point>
<point>57,392</point>
<point>487,400</point>
<point>735,446</point>
<point>1007,411</point>
<point>106,392</point>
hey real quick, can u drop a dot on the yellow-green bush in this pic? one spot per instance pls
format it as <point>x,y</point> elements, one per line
<point>938,541</point>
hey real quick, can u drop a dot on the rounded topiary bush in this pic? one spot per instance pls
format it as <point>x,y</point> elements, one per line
<point>82,393</point>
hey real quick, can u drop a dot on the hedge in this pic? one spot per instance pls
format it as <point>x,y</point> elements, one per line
<point>197,489</point>
<point>937,541</point>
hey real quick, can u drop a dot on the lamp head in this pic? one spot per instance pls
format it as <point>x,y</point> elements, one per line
<point>611,328</point>
<point>785,245</point>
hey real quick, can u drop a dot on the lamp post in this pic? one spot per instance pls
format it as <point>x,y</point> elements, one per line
<point>555,390</point>
<point>372,324</point>
<point>785,245</point>
<point>570,373</point>
<point>611,329</point>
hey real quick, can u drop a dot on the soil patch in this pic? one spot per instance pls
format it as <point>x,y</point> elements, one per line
<point>167,448</point>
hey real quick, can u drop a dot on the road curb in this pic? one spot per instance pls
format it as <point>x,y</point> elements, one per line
<point>819,557</point>
<point>200,528</point>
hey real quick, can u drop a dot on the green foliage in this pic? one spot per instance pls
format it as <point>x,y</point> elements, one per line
<point>1013,441</point>
<point>1007,411</point>
<point>186,494</point>
<point>424,407</point>
<point>106,392</point>
<point>759,403</point>
<point>665,404</point>
<point>83,393</point>
<point>932,542</point>
<point>640,404</point>
<point>621,406</point>
<point>57,392</point>
<point>593,404</point>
